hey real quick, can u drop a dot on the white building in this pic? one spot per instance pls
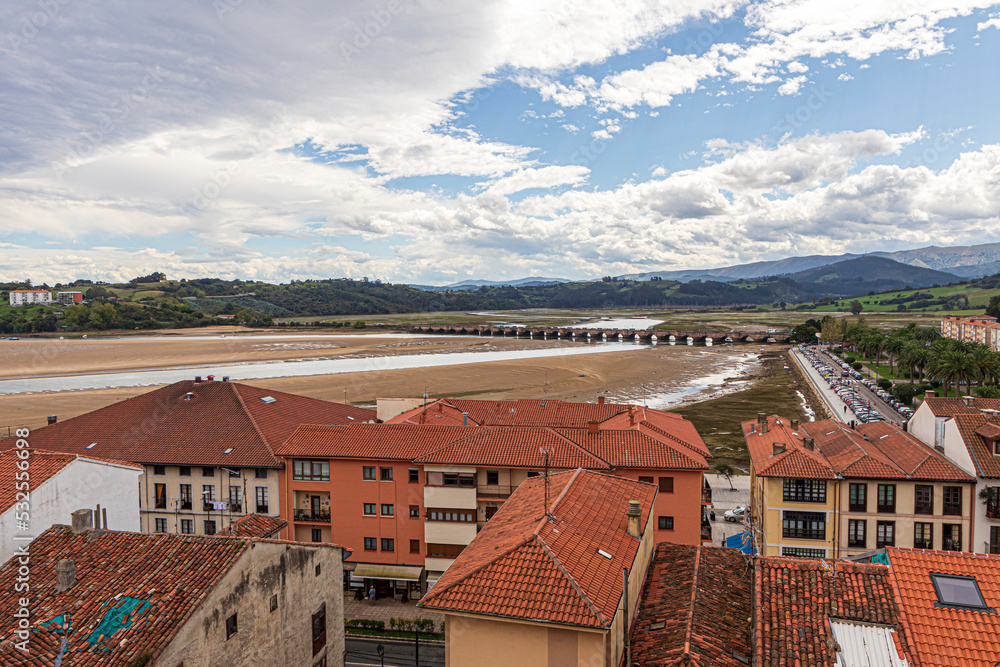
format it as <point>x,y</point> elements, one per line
<point>29,297</point>
<point>58,484</point>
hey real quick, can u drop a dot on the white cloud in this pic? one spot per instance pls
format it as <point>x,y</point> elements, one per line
<point>993,22</point>
<point>843,76</point>
<point>546,177</point>
<point>791,86</point>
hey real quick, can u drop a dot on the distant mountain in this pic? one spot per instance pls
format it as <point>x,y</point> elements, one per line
<point>974,261</point>
<point>747,271</point>
<point>476,284</point>
<point>870,273</point>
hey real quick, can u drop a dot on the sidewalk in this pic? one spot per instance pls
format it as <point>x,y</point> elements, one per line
<point>383,610</point>
<point>725,499</point>
<point>829,396</point>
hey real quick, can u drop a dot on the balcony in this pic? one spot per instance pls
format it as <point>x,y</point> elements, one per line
<point>706,494</point>
<point>706,532</point>
<point>993,511</point>
<point>185,504</point>
<point>309,515</point>
<point>494,491</point>
<point>804,533</point>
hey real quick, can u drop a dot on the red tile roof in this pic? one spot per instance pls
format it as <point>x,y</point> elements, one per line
<point>970,427</point>
<point>524,565</point>
<point>164,576</point>
<point>403,442</point>
<point>947,636</point>
<point>42,466</point>
<point>949,407</point>
<point>514,447</point>
<point>165,427</point>
<point>635,449</point>
<point>795,461</point>
<point>794,601</point>
<point>702,597</point>
<point>254,525</point>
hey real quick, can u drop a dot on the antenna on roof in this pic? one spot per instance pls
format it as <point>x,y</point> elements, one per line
<point>545,453</point>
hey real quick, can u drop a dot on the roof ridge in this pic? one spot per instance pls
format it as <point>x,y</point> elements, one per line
<point>246,410</point>
<point>550,511</point>
<point>683,442</point>
<point>694,597</point>
<point>433,592</point>
<point>897,599</point>
<point>553,429</point>
<point>572,580</point>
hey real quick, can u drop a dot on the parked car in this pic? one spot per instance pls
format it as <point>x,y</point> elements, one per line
<point>735,515</point>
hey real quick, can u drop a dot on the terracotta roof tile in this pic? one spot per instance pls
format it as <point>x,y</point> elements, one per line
<point>949,407</point>
<point>42,466</point>
<point>163,576</point>
<point>166,427</point>
<point>979,447</point>
<point>403,442</point>
<point>635,449</point>
<point>516,447</point>
<point>254,525</point>
<point>794,601</point>
<point>524,565</point>
<point>702,597</point>
<point>795,461</point>
<point>947,636</point>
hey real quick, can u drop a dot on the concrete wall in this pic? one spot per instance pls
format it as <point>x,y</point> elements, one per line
<point>922,424</point>
<point>83,483</point>
<point>486,642</point>
<point>387,408</point>
<point>264,637</point>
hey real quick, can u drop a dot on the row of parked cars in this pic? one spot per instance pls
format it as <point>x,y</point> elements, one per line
<point>841,377</point>
<point>897,405</point>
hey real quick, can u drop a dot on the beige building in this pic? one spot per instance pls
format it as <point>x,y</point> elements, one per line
<point>550,584</point>
<point>120,598</point>
<point>982,329</point>
<point>824,490</point>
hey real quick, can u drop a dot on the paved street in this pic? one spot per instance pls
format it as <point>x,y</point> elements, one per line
<point>397,653</point>
<point>383,610</point>
<point>829,396</point>
<point>725,499</point>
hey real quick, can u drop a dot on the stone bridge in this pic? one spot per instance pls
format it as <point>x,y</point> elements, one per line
<point>612,334</point>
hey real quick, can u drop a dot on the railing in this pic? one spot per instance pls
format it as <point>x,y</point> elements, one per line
<point>306,515</point>
<point>706,494</point>
<point>262,509</point>
<point>993,512</point>
<point>804,533</point>
<point>185,504</point>
<point>494,491</point>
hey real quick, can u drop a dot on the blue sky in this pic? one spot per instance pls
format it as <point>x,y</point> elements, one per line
<point>432,142</point>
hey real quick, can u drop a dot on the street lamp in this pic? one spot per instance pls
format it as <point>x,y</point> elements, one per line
<point>381,653</point>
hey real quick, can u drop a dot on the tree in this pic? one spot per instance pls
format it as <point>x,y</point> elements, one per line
<point>856,307</point>
<point>993,308</point>
<point>726,471</point>
<point>830,331</point>
<point>905,392</point>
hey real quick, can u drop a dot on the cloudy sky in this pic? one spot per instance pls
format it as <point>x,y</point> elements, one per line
<point>431,141</point>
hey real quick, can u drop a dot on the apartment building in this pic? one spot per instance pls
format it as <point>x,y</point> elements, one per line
<point>555,579</point>
<point>69,298</point>
<point>824,490</point>
<point>982,329</point>
<point>206,448</point>
<point>415,496</point>
<point>30,297</point>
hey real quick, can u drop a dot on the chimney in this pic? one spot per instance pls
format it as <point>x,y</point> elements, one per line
<point>187,396</point>
<point>777,448</point>
<point>83,520</point>
<point>631,416</point>
<point>592,426</point>
<point>865,436</point>
<point>761,417</point>
<point>967,400</point>
<point>763,426</point>
<point>225,378</point>
<point>65,575</point>
<point>930,393</point>
<point>210,378</point>
<point>809,444</point>
<point>634,514</point>
<point>465,419</point>
<point>197,379</point>
<point>600,400</point>
<point>795,424</point>
<point>53,419</point>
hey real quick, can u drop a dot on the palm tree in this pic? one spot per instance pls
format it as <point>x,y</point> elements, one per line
<point>983,361</point>
<point>893,346</point>
<point>955,366</point>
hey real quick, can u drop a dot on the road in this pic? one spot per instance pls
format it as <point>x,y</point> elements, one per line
<point>865,394</point>
<point>397,653</point>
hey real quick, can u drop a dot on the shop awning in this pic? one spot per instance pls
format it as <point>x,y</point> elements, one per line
<point>397,572</point>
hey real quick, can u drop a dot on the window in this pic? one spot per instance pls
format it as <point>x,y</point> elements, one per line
<point>466,516</point>
<point>208,472</point>
<point>414,546</point>
<point>185,496</point>
<point>858,499</point>
<point>371,544</point>
<point>451,479</point>
<point>369,509</point>
<point>799,552</point>
<point>160,496</point>
<point>493,477</point>
<point>235,499</point>
<point>665,522</point>
<point>856,537</point>
<point>803,525</point>
<point>388,544</point>
<point>319,629</point>
<point>994,540</point>
<point>923,535</point>
<point>804,490</point>
<point>161,525</point>
<point>956,591</point>
<point>208,496</point>
<point>647,480</point>
<point>274,602</point>
<point>159,470</point>
<point>532,473</point>
<point>234,472</point>
<point>231,626</point>
<point>414,475</point>
<point>951,537</point>
<point>885,534</point>
<point>261,492</point>
<point>317,534</point>
<point>886,499</point>
<point>311,471</point>
<point>187,526</point>
<point>666,485</point>
<point>318,569</point>
<point>367,472</point>
<point>184,471</point>
<point>385,474</point>
<point>444,550</point>
<point>952,501</point>
<point>923,499</point>
<point>260,473</point>
<point>414,511</point>
<point>209,527</point>
<point>387,510</point>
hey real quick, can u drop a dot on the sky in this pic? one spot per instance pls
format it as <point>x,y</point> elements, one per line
<point>430,142</point>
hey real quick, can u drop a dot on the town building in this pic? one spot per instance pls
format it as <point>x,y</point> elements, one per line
<point>97,597</point>
<point>40,488</point>
<point>826,490</point>
<point>982,329</point>
<point>206,448</point>
<point>254,525</point>
<point>411,497</point>
<point>30,297</point>
<point>69,298</point>
<point>555,578</point>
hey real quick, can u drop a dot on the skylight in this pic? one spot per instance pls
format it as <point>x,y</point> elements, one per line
<point>957,591</point>
<point>228,451</point>
<point>268,399</point>
<point>604,553</point>
<point>91,445</point>
<point>883,437</point>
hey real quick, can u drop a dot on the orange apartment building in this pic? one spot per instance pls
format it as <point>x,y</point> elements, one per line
<point>410,497</point>
<point>982,329</point>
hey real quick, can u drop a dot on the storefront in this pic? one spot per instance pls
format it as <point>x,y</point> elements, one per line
<point>398,582</point>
